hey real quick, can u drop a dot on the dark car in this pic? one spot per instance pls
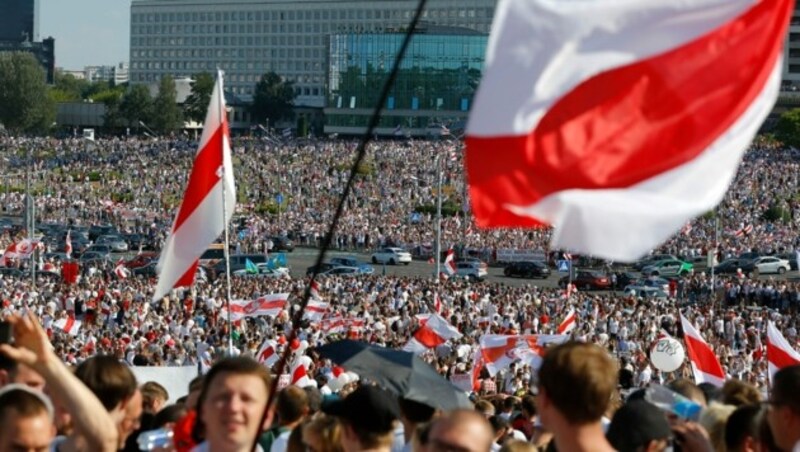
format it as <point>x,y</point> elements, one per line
<point>322,268</point>
<point>730,266</point>
<point>791,257</point>
<point>282,244</point>
<point>527,269</point>
<point>625,279</point>
<point>97,230</point>
<point>586,279</point>
<point>148,270</point>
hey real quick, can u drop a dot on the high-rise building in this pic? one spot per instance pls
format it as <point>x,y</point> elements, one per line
<point>791,57</point>
<point>19,20</point>
<point>247,38</point>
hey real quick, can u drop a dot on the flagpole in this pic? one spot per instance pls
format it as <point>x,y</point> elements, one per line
<point>438,220</point>
<point>226,249</point>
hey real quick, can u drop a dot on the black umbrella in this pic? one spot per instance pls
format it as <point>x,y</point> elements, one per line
<point>403,373</point>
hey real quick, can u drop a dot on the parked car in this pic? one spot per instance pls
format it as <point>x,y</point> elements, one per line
<point>730,266</point>
<point>626,279</point>
<point>471,270</point>
<point>148,270</point>
<point>792,258</point>
<point>263,271</point>
<point>324,267</point>
<point>352,262</point>
<point>117,243</point>
<point>668,268</point>
<point>98,248</point>
<point>527,269</point>
<point>392,256</point>
<point>343,271</point>
<point>97,230</point>
<point>238,262</point>
<point>650,260</point>
<point>587,279</point>
<point>767,264</point>
<point>280,243</point>
<point>655,282</point>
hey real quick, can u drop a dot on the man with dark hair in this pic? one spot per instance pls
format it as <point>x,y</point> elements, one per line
<point>367,416</point>
<point>784,408</point>
<point>230,405</point>
<point>412,414</point>
<point>460,430</point>
<point>115,385</point>
<point>639,426</point>
<point>26,419</point>
<point>741,428</point>
<point>292,409</point>
<point>154,397</point>
<point>576,382</point>
<point>524,422</point>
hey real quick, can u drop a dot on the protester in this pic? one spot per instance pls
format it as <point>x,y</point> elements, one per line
<point>784,408</point>
<point>367,416</point>
<point>26,419</point>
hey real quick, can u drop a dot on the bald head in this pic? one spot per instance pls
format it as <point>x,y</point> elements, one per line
<point>463,430</point>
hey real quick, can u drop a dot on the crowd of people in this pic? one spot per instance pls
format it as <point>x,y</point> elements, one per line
<point>103,324</point>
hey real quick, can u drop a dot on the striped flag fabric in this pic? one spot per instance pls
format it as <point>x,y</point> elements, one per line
<point>69,325</point>
<point>121,270</point>
<point>315,290</point>
<point>267,305</point>
<point>569,323</point>
<point>744,230</point>
<point>779,353</point>
<point>300,375</point>
<point>434,332</point>
<point>705,364</point>
<point>449,268</point>
<point>268,353</point>
<point>617,122</point>
<point>68,246</point>
<point>499,351</point>
<point>200,218</point>
<point>315,310</point>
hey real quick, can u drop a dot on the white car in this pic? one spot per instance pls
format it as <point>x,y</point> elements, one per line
<point>264,272</point>
<point>471,270</point>
<point>392,256</point>
<point>770,264</point>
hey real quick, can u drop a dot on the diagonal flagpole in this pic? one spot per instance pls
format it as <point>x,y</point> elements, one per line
<point>226,250</point>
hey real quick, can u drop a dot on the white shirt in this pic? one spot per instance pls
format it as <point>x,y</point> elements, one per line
<point>281,442</point>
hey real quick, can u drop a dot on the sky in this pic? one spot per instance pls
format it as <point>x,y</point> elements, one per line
<point>87,32</point>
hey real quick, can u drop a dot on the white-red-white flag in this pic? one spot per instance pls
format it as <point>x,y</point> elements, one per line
<point>121,270</point>
<point>300,375</point>
<point>200,219</point>
<point>499,351</point>
<point>69,325</point>
<point>617,122</point>
<point>569,323</point>
<point>268,353</point>
<point>267,305</point>
<point>705,365</point>
<point>315,310</point>
<point>779,353</point>
<point>68,246</point>
<point>434,332</point>
<point>450,263</point>
<point>437,303</point>
<point>315,290</point>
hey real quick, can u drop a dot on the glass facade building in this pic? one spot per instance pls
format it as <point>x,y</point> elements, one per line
<point>18,21</point>
<point>435,84</point>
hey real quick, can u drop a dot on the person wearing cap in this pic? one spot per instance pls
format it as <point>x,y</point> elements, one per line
<point>639,426</point>
<point>367,416</point>
<point>26,419</point>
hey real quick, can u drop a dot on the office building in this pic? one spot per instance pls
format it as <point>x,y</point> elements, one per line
<point>247,38</point>
<point>118,74</point>
<point>791,54</point>
<point>19,20</point>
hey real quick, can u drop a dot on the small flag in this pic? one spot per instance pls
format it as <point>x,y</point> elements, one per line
<point>121,270</point>
<point>569,323</point>
<point>250,267</point>
<point>68,246</point>
<point>705,364</point>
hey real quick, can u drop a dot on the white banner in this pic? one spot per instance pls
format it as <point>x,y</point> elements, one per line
<point>174,379</point>
<point>517,255</point>
<point>462,381</point>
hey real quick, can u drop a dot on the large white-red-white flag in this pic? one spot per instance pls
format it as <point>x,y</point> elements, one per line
<point>498,351</point>
<point>569,323</point>
<point>200,219</point>
<point>69,325</point>
<point>779,353</point>
<point>617,122</point>
<point>267,305</point>
<point>434,332</point>
<point>315,310</point>
<point>705,365</point>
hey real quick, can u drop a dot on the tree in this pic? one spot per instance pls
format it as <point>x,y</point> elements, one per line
<point>194,108</point>
<point>25,105</point>
<point>273,99</point>
<point>788,128</point>
<point>136,105</point>
<point>167,115</point>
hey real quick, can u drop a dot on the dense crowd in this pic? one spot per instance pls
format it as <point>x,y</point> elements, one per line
<point>137,184</point>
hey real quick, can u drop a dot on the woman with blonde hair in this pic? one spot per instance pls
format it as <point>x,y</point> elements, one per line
<point>322,434</point>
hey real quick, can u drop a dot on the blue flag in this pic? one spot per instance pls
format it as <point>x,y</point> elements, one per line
<point>250,267</point>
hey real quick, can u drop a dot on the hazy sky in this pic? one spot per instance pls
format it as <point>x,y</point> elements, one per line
<point>87,32</point>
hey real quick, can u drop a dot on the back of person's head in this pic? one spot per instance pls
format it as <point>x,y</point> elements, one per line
<point>741,429</point>
<point>786,388</point>
<point>765,437</point>
<point>168,415</point>
<point>528,405</point>
<point>739,393</point>
<point>635,425</point>
<point>26,419</point>
<point>415,412</point>
<point>484,406</point>
<point>18,401</point>
<point>498,424</point>
<point>578,379</point>
<point>712,393</point>
<point>367,416</point>
<point>510,403</point>
<point>461,429</point>
<point>291,405</point>
<point>314,399</point>
<point>325,432</point>
<point>110,380</point>
<point>517,446</point>
<point>689,390</point>
<point>154,396</point>
<point>713,419</point>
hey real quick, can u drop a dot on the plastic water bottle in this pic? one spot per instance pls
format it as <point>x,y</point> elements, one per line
<point>153,439</point>
<point>673,402</point>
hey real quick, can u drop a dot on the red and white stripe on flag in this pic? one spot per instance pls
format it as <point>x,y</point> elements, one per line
<point>569,323</point>
<point>450,263</point>
<point>606,118</point>
<point>121,270</point>
<point>705,364</point>
<point>779,353</point>
<point>315,290</point>
<point>499,351</point>
<point>68,246</point>
<point>69,325</point>
<point>300,375</point>
<point>268,353</point>
<point>200,219</point>
<point>315,311</point>
<point>434,332</point>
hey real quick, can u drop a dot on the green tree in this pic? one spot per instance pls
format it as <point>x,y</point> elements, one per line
<point>25,105</point>
<point>167,115</point>
<point>273,99</point>
<point>136,105</point>
<point>197,103</point>
<point>69,87</point>
<point>788,128</point>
